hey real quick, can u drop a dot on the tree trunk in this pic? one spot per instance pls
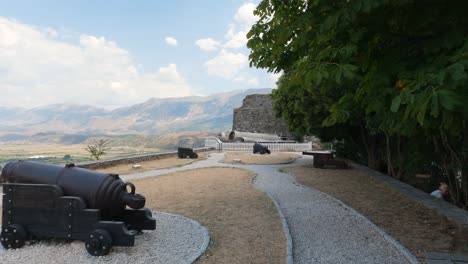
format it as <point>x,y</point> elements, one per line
<point>390,169</point>
<point>400,158</point>
<point>372,160</point>
<point>464,169</point>
<point>447,165</point>
<point>369,142</point>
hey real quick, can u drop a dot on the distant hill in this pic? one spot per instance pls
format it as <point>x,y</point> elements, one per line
<point>72,123</point>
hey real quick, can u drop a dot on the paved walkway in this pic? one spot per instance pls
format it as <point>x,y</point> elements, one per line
<point>323,230</point>
<point>446,258</point>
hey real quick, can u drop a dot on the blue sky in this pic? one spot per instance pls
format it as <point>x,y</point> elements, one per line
<point>122,52</point>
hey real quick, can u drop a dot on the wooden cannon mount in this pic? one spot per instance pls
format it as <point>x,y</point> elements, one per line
<point>324,159</point>
<point>35,211</point>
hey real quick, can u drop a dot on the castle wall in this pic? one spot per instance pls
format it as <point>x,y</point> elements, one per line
<point>256,115</point>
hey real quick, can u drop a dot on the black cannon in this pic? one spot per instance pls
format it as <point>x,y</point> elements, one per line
<point>183,153</point>
<point>259,148</point>
<point>48,201</point>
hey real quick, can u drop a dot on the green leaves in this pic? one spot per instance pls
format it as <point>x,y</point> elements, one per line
<point>422,110</point>
<point>457,72</point>
<point>448,100</point>
<point>390,69</point>
<point>349,71</point>
<point>435,105</point>
<point>395,104</point>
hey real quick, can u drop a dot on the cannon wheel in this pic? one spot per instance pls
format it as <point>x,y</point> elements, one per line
<point>99,243</point>
<point>13,236</point>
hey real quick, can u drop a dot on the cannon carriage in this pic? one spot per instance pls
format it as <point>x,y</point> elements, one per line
<point>183,153</point>
<point>47,201</point>
<point>261,149</point>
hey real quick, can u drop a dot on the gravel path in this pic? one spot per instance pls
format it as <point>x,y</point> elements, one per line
<point>176,240</point>
<point>323,230</point>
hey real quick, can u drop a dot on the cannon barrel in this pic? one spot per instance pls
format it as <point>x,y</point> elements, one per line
<point>99,190</point>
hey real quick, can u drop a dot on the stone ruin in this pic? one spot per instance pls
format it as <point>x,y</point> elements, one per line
<point>256,115</point>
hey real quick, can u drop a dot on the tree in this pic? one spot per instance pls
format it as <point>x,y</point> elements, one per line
<point>387,78</point>
<point>98,148</point>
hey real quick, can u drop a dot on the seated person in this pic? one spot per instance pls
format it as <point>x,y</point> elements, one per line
<point>442,192</point>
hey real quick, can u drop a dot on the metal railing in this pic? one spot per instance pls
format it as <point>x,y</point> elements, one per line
<point>242,146</point>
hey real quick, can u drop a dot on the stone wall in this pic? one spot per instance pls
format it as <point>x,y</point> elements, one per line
<point>102,164</point>
<point>256,115</point>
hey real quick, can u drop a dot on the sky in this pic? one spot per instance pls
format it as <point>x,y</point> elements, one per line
<point>115,53</point>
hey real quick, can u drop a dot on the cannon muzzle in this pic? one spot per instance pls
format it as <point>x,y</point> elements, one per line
<point>134,201</point>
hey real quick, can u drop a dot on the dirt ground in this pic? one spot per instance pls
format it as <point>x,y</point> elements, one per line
<point>250,158</point>
<point>151,165</point>
<point>416,227</point>
<point>243,222</point>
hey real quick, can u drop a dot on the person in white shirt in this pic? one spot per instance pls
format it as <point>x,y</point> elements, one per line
<point>442,192</point>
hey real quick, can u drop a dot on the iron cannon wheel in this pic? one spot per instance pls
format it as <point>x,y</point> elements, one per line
<point>13,236</point>
<point>99,243</point>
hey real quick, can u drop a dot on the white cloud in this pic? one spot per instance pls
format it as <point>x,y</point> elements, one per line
<point>226,64</point>
<point>275,76</point>
<point>207,44</point>
<point>171,41</point>
<point>237,31</point>
<point>37,68</point>
<point>245,14</point>
<point>235,39</point>
<point>251,81</point>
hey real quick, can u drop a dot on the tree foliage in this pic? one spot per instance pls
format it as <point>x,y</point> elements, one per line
<point>387,78</point>
<point>98,148</point>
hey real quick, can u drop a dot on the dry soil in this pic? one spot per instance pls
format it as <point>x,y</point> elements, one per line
<point>243,222</point>
<point>250,158</point>
<point>151,165</point>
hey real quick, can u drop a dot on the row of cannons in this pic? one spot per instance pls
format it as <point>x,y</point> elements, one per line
<point>47,201</point>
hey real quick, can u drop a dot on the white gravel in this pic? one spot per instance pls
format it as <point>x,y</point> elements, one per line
<point>323,230</point>
<point>176,240</point>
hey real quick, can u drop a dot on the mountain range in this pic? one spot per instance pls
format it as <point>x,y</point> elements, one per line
<point>156,116</point>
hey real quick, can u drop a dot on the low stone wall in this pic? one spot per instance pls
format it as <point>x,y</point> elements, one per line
<point>102,164</point>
